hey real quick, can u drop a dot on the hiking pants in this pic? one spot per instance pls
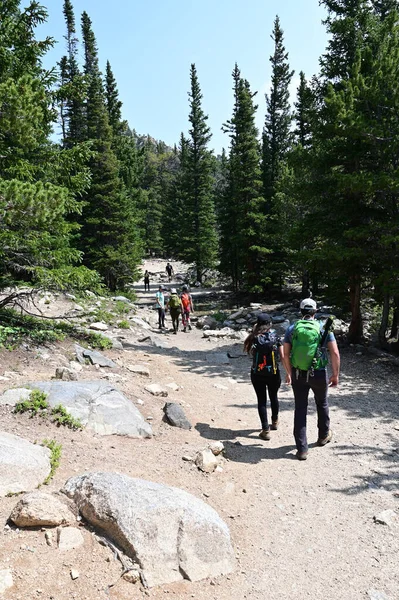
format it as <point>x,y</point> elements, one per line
<point>301,387</point>
<point>185,317</point>
<point>161,317</point>
<point>263,384</point>
<point>175,313</point>
<point>146,285</point>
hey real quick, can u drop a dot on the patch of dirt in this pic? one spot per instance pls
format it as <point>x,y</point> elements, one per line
<point>300,529</point>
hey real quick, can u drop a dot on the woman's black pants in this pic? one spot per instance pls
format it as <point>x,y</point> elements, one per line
<point>264,384</point>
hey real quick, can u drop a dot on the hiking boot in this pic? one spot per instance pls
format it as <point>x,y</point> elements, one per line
<point>265,434</point>
<point>184,330</point>
<point>175,332</point>
<point>302,455</point>
<point>274,425</point>
<point>325,440</point>
<point>189,328</point>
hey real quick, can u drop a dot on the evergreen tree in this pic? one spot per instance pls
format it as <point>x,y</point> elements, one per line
<point>110,236</point>
<point>276,132</point>
<point>114,105</point>
<point>72,90</point>
<point>277,140</point>
<point>199,218</point>
<point>243,206</point>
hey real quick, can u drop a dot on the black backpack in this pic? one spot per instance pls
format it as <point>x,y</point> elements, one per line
<point>264,354</point>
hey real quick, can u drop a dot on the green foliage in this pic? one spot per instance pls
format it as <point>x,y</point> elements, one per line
<point>36,403</point>
<point>220,316</point>
<point>55,457</point>
<point>16,328</point>
<point>97,340</point>
<point>121,308</point>
<point>62,417</point>
<point>124,324</point>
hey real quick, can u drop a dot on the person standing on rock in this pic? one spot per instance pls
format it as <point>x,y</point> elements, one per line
<point>169,271</point>
<point>305,360</point>
<point>146,281</point>
<point>160,299</point>
<point>265,346</point>
<point>175,307</point>
<point>187,308</point>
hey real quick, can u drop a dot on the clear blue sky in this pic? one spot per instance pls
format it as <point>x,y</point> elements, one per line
<point>151,44</point>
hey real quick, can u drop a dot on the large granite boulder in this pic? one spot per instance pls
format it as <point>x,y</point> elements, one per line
<point>100,406</point>
<point>23,466</point>
<point>170,534</point>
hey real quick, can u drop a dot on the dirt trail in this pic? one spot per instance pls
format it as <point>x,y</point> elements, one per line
<point>300,529</point>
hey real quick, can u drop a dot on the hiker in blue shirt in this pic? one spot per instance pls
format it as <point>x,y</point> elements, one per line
<point>160,298</point>
<point>305,364</point>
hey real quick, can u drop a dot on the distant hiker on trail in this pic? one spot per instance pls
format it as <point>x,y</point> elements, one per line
<point>187,307</point>
<point>146,281</point>
<point>305,359</point>
<point>174,305</point>
<point>265,345</point>
<point>160,298</point>
<point>169,271</point>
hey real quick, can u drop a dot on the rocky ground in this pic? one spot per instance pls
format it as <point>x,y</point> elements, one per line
<point>314,529</point>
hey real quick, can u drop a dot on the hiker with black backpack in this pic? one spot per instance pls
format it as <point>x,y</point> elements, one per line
<point>306,343</point>
<point>175,307</point>
<point>265,346</point>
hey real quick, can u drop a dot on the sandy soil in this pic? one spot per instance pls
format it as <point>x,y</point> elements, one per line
<point>300,529</point>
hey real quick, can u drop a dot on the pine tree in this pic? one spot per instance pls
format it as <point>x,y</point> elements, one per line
<point>199,222</point>
<point>276,132</point>
<point>72,90</point>
<point>277,140</point>
<point>110,236</point>
<point>114,105</point>
<point>243,206</point>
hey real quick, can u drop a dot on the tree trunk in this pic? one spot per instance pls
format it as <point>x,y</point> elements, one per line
<point>382,339</point>
<point>305,284</point>
<point>395,318</point>
<point>355,334</point>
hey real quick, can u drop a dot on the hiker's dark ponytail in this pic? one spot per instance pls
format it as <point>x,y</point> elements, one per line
<point>258,328</point>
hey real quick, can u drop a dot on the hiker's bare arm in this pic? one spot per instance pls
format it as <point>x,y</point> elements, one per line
<point>285,357</point>
<point>335,363</point>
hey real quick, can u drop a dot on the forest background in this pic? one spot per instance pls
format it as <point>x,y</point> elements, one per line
<point>313,197</point>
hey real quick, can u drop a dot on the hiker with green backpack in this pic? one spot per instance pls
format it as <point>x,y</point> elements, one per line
<point>305,359</point>
<point>175,307</point>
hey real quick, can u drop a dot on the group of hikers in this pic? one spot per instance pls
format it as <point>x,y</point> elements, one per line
<point>303,353</point>
<point>169,271</point>
<point>178,305</point>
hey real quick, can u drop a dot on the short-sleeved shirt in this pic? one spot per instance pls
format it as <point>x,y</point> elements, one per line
<point>161,299</point>
<point>330,338</point>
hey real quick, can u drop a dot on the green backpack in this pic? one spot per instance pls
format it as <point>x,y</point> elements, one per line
<point>306,352</point>
<point>174,301</point>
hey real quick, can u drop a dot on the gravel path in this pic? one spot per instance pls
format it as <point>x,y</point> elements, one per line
<point>300,529</point>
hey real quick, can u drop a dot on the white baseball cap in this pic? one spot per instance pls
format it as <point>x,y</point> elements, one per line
<point>173,291</point>
<point>308,303</point>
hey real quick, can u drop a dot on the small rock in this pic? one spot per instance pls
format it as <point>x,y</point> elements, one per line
<point>219,386</point>
<point>173,386</point>
<point>376,595</point>
<point>66,374</point>
<point>74,574</point>
<point>175,415</point>
<point>140,402</point>
<point>100,326</point>
<point>40,509</point>
<point>132,576</point>
<point>156,390</point>
<point>216,447</point>
<point>206,461</point>
<point>139,370</point>
<point>49,538</point>
<point>219,469</point>
<point>187,458</point>
<point>75,366</point>
<point>5,580</point>
<point>386,517</point>
<point>69,538</point>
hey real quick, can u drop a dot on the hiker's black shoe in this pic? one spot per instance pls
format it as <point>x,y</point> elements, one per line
<point>189,327</point>
<point>301,455</point>
<point>274,425</point>
<point>323,441</point>
<point>184,330</point>
<point>265,434</point>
